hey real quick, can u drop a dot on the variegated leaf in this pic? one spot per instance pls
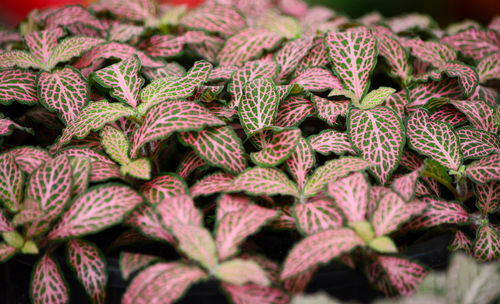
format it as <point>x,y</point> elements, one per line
<point>7,126</point>
<point>376,97</point>
<point>250,71</point>
<point>174,116</point>
<point>217,182</point>
<point>316,216</point>
<point>6,252</point>
<point>235,226</point>
<point>404,275</point>
<point>139,168</point>
<point>480,114</point>
<point>173,88</point>
<point>488,196</point>
<point>293,110</point>
<point>42,43</point>
<point>252,293</point>
<point>99,207</point>
<point>301,161</point>
<point>486,246</point>
<point>47,283</point>
<point>5,224</point>
<point>124,32</point>
<point>460,241</point>
<point>319,248</point>
<point>439,212</point>
<point>432,52</point>
<point>394,54</point>
<point>162,283</point>
<point>19,59</point>
<point>80,171</point>
<point>268,181</point>
<point>89,265</point>
<point>328,110</point>
<point>378,135</point>
<point>197,243</point>
<point>69,15</point>
<point>316,80</point>
<point>146,220</point>
<point>92,118</point>
<point>277,149</point>
<point>163,45</point>
<point>485,169</point>
<point>290,54</point>
<point>391,212</point>
<point>329,141</point>
<point>224,20</point>
<point>132,262</point>
<point>351,196</point>
<point>246,45</point>
<point>475,43</point>
<point>258,108</point>
<point>489,68</point>
<point>219,146</point>
<point>178,210</point>
<point>331,171</point>
<point>189,163</point>
<point>122,79</point>
<point>240,272</point>
<point>69,48</point>
<point>405,185</point>
<point>18,85</point>
<point>316,57</point>
<point>162,187</point>
<point>353,55</point>
<point>476,143</point>
<point>115,144</point>
<point>434,139</point>
<point>11,182</point>
<point>63,91</point>
<point>449,114</point>
<point>421,93</point>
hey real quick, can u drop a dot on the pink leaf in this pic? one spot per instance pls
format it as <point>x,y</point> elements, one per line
<point>11,182</point>
<point>163,45</point>
<point>178,210</point>
<point>5,224</point>
<point>42,43</point>
<point>173,88</point>
<point>93,117</point>
<point>290,54</point>
<point>163,187</point>
<point>329,141</point>
<point>488,68</point>
<point>214,18</point>
<point>353,56</point>
<point>277,149</point>
<point>486,246</point>
<point>331,171</point>
<point>319,248</point>
<point>205,46</point>
<point>250,71</point>
<point>317,216</point>
<point>301,162</point>
<point>328,110</point>
<point>146,220</point>
<point>174,116</point>
<point>122,79</point>
<point>258,108</point>
<point>439,212</point>
<point>480,114</point>
<point>64,91</point>
<point>240,272</point>
<point>488,95</point>
<point>449,114</point>
<point>316,80</point>
<point>132,262</point>
<point>421,93</point>
<point>80,171</point>
<point>19,59</point>
<point>218,146</point>
<point>197,243</point>
<point>485,169</point>
<point>231,203</point>
<point>351,196</point>
<point>316,57</point>
<point>405,185</point>
<point>246,45</point>
<point>251,293</point>
<point>169,69</point>
<point>90,267</point>
<point>47,283</point>
<point>434,139</point>
<point>6,252</point>
<point>7,126</point>
<point>189,163</point>
<point>433,52</point>
<point>162,283</point>
<point>214,183</point>
<point>378,135</point>
<point>235,226</point>
<point>460,241</point>
<point>394,54</point>
<point>477,143</point>
<point>298,284</point>
<point>475,43</point>
<point>392,212</point>
<point>124,32</point>
<point>71,47</point>
<point>72,14</point>
<point>100,207</point>
<point>268,181</point>
<point>17,85</point>
<point>293,110</point>
<point>29,158</point>
<point>488,196</point>
<point>403,275</point>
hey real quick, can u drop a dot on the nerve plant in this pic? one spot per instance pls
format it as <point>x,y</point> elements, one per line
<point>273,115</point>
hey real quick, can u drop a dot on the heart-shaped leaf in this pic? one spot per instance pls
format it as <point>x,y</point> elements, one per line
<point>434,139</point>
<point>268,181</point>
<point>17,85</point>
<point>319,248</point>
<point>89,265</point>
<point>378,135</point>
<point>235,226</point>
<point>99,207</point>
<point>174,116</point>
<point>353,55</point>
<point>47,282</point>
<point>219,146</point>
<point>64,91</point>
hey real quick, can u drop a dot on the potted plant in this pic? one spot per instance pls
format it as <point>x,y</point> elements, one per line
<point>216,133</point>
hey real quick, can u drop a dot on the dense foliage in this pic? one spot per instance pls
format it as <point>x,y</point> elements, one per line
<point>203,128</point>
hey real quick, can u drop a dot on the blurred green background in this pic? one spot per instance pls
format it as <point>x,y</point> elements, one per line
<point>443,11</point>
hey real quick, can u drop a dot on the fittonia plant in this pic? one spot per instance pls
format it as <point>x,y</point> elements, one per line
<point>205,129</point>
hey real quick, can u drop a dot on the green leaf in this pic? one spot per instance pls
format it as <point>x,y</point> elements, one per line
<point>376,97</point>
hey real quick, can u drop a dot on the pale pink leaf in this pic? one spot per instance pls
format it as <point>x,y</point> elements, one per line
<point>479,113</point>
<point>189,163</point>
<point>17,85</point>
<point>351,196</point>
<point>252,293</point>
<point>163,45</point>
<point>485,169</point>
<point>293,110</point>
<point>178,210</point>
<point>47,283</point>
<point>391,212</point>
<point>405,185</point>
<point>403,275</point>
<point>277,149</point>
<point>197,243</point>
<point>11,182</point>
<point>488,196</point>
<point>477,143</point>
<point>230,203</point>
<point>439,212</point>
<point>301,161</point>
<point>132,262</point>
<point>316,80</point>
<point>162,187</point>
<point>486,246</point>
<point>290,54</point>
<point>71,47</point>
<point>268,181</point>
<point>329,141</point>
<point>213,183</point>
<point>224,20</point>
<point>29,158</point>
<point>475,43</point>
<point>240,272</point>
<point>316,216</point>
